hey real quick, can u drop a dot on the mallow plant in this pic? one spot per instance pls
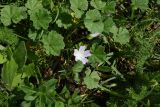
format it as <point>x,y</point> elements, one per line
<point>79,53</point>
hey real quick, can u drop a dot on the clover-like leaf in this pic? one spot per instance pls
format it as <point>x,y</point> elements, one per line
<point>53,43</point>
<point>93,21</point>
<point>92,79</point>
<point>120,35</point>
<point>98,54</point>
<point>98,4</point>
<point>12,13</point>
<point>142,4</point>
<point>41,18</point>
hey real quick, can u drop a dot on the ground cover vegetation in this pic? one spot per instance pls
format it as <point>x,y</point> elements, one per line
<point>79,53</point>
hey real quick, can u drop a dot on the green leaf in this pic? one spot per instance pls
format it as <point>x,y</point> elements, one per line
<point>29,70</point>
<point>3,58</point>
<point>78,13</point>
<point>75,4</point>
<point>32,35</point>
<point>93,21</point>
<point>59,104</point>
<point>53,43</point>
<point>92,79</point>
<point>34,5</point>
<point>79,7</point>
<point>108,23</point>
<point>20,54</point>
<point>138,96</point>
<point>17,80</point>
<point>120,35</point>
<point>41,18</point>
<point>8,37</point>
<point>9,72</point>
<point>39,102</point>
<point>64,19</point>
<point>98,54</point>
<point>12,13</point>
<point>142,4</point>
<point>78,67</point>
<point>29,98</point>
<point>27,90</point>
<point>158,1</point>
<point>98,4</point>
<point>110,7</point>
<point>2,47</point>
<point>26,104</point>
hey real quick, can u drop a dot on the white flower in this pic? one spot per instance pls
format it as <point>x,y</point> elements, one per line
<point>81,54</point>
<point>93,35</point>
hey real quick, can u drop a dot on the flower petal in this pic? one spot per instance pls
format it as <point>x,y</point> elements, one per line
<point>82,48</point>
<point>75,52</point>
<point>87,53</point>
<point>84,60</point>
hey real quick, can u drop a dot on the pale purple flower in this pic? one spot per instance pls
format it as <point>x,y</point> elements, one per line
<point>95,34</point>
<point>81,54</point>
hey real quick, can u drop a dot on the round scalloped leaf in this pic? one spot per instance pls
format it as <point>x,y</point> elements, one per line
<point>34,4</point>
<point>98,54</point>
<point>53,43</point>
<point>75,4</point>
<point>108,23</point>
<point>93,21</point>
<point>98,4</point>
<point>110,7</point>
<point>120,35</point>
<point>12,13</point>
<point>41,18</point>
<point>92,79</point>
<point>79,7</point>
